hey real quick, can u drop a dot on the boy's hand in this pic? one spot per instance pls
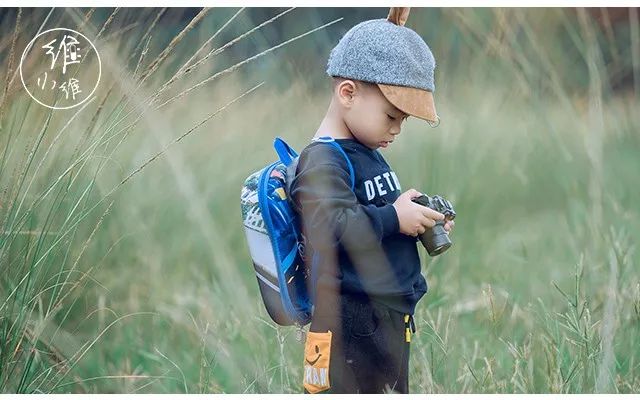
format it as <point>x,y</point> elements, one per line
<point>415,219</point>
<point>448,226</point>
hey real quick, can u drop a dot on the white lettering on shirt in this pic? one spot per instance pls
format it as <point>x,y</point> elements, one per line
<point>377,186</point>
<point>368,186</point>
<point>386,176</point>
<point>381,191</point>
<point>395,180</point>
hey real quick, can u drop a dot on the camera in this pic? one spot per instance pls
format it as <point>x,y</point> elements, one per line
<point>436,240</point>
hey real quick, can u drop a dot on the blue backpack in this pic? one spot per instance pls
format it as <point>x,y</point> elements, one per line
<point>275,240</point>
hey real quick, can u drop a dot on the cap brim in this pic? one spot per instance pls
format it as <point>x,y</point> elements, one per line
<point>413,101</point>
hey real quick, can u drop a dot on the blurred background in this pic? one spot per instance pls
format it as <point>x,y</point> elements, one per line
<point>124,266</point>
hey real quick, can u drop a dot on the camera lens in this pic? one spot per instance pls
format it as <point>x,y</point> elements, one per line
<point>436,240</point>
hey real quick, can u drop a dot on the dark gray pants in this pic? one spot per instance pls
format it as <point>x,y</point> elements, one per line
<point>369,349</point>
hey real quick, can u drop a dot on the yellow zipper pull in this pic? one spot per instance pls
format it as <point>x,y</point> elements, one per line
<point>407,330</point>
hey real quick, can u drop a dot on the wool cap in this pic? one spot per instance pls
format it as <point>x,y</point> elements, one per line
<point>384,52</point>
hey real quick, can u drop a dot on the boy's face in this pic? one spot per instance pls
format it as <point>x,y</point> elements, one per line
<point>370,117</point>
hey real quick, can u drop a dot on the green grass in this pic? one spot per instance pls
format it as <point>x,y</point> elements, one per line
<point>113,282</point>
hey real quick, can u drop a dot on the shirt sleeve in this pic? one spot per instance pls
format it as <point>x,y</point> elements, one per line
<point>321,193</point>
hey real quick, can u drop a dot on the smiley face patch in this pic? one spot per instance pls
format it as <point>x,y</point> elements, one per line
<point>317,351</point>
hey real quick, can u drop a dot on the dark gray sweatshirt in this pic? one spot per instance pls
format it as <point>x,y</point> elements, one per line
<point>356,232</point>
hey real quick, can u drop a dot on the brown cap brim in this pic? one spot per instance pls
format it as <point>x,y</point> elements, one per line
<point>413,101</point>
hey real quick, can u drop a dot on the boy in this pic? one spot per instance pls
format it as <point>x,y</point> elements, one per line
<point>369,278</point>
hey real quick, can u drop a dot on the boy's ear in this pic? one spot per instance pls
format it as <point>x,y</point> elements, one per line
<point>346,91</point>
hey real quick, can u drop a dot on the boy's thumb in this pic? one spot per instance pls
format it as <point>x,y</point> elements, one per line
<point>414,193</point>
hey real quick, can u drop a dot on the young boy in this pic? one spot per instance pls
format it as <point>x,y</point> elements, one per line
<point>369,278</point>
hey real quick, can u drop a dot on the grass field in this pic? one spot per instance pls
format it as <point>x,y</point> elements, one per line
<point>123,258</point>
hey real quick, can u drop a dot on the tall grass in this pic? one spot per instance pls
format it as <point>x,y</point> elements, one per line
<point>58,197</point>
<point>124,265</point>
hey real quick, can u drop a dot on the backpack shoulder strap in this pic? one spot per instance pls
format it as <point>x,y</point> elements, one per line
<point>285,152</point>
<point>331,141</point>
<point>289,157</point>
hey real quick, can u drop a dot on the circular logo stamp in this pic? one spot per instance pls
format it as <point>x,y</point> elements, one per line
<point>60,68</point>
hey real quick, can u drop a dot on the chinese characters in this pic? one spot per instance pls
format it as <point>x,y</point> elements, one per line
<point>60,68</point>
<point>70,55</point>
<point>70,52</point>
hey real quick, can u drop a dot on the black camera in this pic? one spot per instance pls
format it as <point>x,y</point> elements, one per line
<point>436,240</point>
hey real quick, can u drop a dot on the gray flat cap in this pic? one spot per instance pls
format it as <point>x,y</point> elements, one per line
<point>385,52</point>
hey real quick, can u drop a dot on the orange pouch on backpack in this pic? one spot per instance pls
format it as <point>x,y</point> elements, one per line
<point>317,355</point>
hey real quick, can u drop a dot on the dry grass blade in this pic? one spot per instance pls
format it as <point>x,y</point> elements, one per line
<point>114,35</point>
<point>185,66</point>
<point>85,276</point>
<point>238,65</point>
<point>48,150</point>
<point>17,187</point>
<point>165,53</point>
<point>144,106</point>
<point>143,53</point>
<point>108,195</point>
<point>94,119</point>
<point>46,19</point>
<point>184,379</point>
<point>16,31</point>
<point>147,33</point>
<point>186,69</point>
<point>87,17</point>
<point>190,60</point>
<point>58,361</point>
<point>187,133</point>
<point>54,298</point>
<point>107,22</point>
<point>54,184</point>
<point>87,346</point>
<point>144,41</point>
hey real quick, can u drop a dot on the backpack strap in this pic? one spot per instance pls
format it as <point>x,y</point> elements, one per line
<point>289,158</point>
<point>330,140</point>
<point>285,152</point>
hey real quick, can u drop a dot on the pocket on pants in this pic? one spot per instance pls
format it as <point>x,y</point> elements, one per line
<point>317,355</point>
<point>366,322</point>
